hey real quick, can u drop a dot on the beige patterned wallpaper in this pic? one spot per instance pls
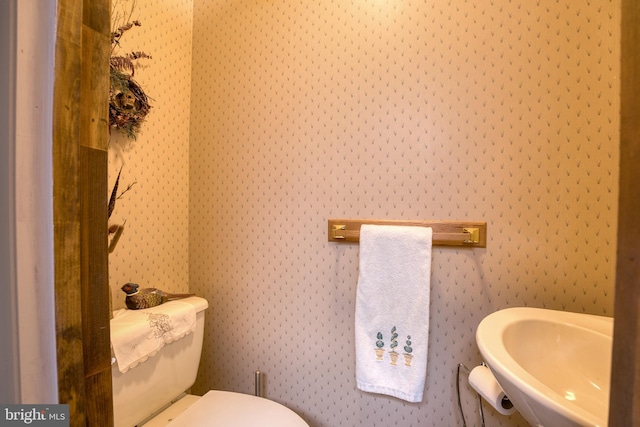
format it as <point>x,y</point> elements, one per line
<point>153,250</point>
<point>502,111</point>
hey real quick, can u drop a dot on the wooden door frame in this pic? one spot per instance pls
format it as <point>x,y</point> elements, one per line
<point>80,142</point>
<point>624,404</point>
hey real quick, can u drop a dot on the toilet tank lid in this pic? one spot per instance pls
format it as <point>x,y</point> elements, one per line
<point>199,303</point>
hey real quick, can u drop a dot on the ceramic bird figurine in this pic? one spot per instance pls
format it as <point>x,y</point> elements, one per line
<point>148,297</point>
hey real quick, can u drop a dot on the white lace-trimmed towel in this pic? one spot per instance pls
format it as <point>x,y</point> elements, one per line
<point>137,335</point>
<point>392,310</point>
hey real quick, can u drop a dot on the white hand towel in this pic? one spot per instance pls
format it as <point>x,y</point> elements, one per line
<point>392,310</point>
<point>137,335</point>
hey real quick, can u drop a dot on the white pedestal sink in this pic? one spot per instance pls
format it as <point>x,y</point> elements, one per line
<point>553,365</point>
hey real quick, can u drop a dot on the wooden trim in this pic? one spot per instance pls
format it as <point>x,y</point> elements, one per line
<point>94,262</point>
<point>624,406</point>
<point>80,140</point>
<point>66,210</point>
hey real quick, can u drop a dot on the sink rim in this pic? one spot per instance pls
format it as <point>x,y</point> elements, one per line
<point>489,338</point>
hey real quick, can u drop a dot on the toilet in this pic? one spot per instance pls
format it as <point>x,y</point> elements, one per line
<point>153,393</point>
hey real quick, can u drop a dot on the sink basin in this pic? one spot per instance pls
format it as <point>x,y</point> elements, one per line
<point>553,365</point>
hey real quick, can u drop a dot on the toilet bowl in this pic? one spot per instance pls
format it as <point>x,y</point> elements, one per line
<point>153,392</point>
<point>227,409</point>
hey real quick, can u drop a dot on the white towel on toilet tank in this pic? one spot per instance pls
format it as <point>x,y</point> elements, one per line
<point>392,310</point>
<point>137,335</point>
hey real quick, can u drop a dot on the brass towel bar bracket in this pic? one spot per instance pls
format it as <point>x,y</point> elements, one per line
<point>445,233</point>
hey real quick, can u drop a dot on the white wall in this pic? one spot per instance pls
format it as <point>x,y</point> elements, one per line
<point>10,386</point>
<point>34,194</point>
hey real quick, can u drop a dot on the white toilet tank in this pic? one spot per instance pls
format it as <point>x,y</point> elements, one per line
<point>155,383</point>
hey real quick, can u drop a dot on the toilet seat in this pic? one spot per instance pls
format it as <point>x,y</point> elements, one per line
<point>228,409</point>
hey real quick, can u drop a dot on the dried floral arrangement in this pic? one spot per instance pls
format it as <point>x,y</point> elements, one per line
<point>128,103</point>
<point>116,229</point>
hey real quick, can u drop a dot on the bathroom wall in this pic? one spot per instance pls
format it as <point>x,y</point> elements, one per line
<point>153,250</point>
<point>289,113</point>
<point>502,111</point>
<point>34,262</point>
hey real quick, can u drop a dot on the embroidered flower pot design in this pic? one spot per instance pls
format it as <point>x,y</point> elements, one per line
<point>407,359</point>
<point>394,343</point>
<point>407,355</point>
<point>379,344</point>
<point>394,357</point>
<point>393,354</point>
